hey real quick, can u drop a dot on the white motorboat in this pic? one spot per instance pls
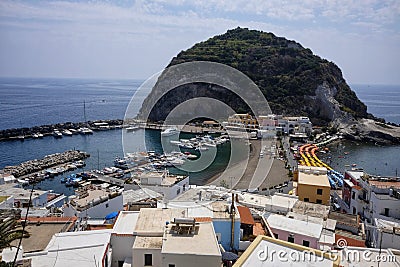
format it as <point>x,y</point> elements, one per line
<point>169,132</point>
<point>85,130</point>
<point>132,128</point>
<point>57,134</point>
<point>67,132</point>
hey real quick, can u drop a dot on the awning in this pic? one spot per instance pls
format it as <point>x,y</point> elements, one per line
<point>112,215</point>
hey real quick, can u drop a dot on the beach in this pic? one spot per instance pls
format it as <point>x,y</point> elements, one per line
<point>270,172</point>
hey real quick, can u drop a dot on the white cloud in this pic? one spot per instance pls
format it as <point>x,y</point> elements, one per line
<point>60,38</point>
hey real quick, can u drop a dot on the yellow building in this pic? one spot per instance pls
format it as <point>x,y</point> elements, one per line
<point>242,120</point>
<point>313,185</point>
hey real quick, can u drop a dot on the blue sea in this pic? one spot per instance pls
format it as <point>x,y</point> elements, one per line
<point>31,102</point>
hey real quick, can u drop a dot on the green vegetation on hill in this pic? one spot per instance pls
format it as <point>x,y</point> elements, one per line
<point>287,73</point>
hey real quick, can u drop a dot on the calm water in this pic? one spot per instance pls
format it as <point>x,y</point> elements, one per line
<point>382,100</point>
<point>29,102</point>
<point>32,102</point>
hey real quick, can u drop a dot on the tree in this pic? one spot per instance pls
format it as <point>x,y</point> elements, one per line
<point>10,230</point>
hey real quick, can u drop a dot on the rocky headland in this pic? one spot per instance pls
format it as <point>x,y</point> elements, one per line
<point>293,80</point>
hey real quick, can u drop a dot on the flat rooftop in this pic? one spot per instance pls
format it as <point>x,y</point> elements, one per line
<point>313,179</point>
<point>356,174</point>
<point>126,223</point>
<point>369,259</point>
<point>152,221</point>
<point>40,236</point>
<point>215,210</point>
<point>148,242</point>
<point>18,193</point>
<point>131,196</point>
<point>287,224</point>
<point>384,184</point>
<point>312,209</point>
<point>84,248</point>
<point>276,200</point>
<point>91,195</point>
<point>202,242</point>
<point>312,169</point>
<point>329,224</point>
<point>289,255</point>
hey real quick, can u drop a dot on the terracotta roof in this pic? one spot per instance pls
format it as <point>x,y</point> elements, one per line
<point>357,187</point>
<point>258,229</point>
<point>51,219</point>
<point>245,215</point>
<point>203,219</point>
<point>384,184</point>
<point>351,242</point>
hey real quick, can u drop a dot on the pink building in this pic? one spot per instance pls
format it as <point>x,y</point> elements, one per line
<point>305,233</point>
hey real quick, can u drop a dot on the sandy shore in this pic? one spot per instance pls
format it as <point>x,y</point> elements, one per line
<point>259,172</point>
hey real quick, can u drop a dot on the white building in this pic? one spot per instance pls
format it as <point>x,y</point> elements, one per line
<point>170,186</point>
<point>122,237</point>
<point>88,248</point>
<point>267,251</point>
<point>21,196</point>
<point>151,238</point>
<point>93,203</point>
<point>377,200</point>
<point>384,234</point>
<point>360,257</point>
<point>277,203</point>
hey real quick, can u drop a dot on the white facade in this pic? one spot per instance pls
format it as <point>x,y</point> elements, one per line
<point>168,190</point>
<point>122,237</point>
<point>384,234</point>
<point>87,248</point>
<point>95,205</point>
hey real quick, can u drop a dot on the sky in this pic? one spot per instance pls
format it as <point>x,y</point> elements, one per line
<point>136,39</point>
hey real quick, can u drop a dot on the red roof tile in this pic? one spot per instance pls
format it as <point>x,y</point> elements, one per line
<point>245,215</point>
<point>351,242</point>
<point>203,219</point>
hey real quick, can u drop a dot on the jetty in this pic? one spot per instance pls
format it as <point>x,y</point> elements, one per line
<point>37,165</point>
<point>48,130</point>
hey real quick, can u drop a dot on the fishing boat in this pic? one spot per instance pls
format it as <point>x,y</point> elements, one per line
<point>169,132</point>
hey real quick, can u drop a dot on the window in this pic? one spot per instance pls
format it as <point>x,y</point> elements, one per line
<point>171,265</point>
<point>106,205</point>
<point>319,191</point>
<point>354,211</point>
<point>306,199</point>
<point>387,212</point>
<point>148,259</point>
<point>306,243</point>
<point>319,201</point>
<point>276,235</point>
<point>353,195</point>
<point>290,239</point>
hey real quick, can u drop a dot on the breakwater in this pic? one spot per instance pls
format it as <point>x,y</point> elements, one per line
<point>36,165</point>
<point>22,133</point>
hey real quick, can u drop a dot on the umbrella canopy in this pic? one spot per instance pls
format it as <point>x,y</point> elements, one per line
<point>112,215</point>
<point>229,256</point>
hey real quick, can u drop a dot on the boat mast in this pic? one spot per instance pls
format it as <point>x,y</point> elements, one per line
<point>84,111</point>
